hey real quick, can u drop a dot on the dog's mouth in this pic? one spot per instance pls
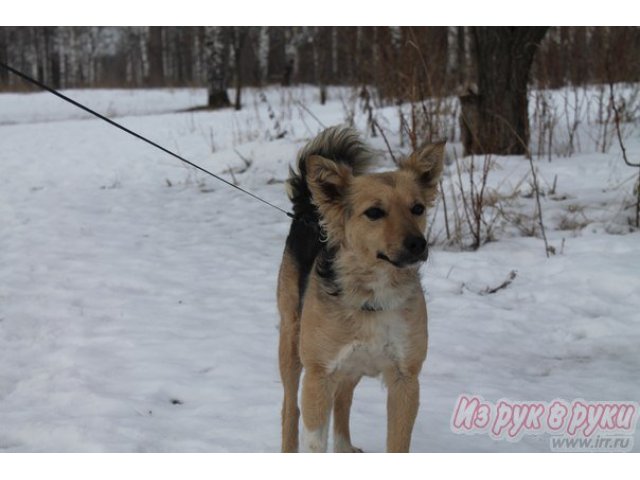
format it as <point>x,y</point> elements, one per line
<point>404,261</point>
<point>382,256</point>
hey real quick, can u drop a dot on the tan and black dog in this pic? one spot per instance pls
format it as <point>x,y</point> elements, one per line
<point>349,292</point>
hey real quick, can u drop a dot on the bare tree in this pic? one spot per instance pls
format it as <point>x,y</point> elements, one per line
<point>262,52</point>
<point>461,55</point>
<point>155,54</point>
<point>4,55</point>
<point>401,63</point>
<point>238,40</point>
<point>136,61</point>
<point>495,117</point>
<point>275,54</point>
<point>321,39</point>
<point>293,38</point>
<point>217,54</point>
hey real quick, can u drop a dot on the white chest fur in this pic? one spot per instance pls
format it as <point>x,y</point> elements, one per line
<point>380,341</point>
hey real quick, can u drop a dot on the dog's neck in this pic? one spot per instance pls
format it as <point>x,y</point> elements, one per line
<point>376,286</point>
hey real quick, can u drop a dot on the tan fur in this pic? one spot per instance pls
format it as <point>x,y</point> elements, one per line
<point>333,337</point>
<point>289,356</point>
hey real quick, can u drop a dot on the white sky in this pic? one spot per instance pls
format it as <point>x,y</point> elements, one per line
<point>324,12</point>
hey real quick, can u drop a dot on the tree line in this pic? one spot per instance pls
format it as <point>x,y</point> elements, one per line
<point>488,68</point>
<point>440,59</point>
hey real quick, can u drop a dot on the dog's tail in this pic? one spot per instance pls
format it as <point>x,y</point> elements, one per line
<point>341,144</point>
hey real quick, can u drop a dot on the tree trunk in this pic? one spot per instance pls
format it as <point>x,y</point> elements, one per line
<point>435,52</point>
<point>494,119</point>
<point>238,39</point>
<point>156,58</point>
<point>4,55</point>
<point>262,52</point>
<point>50,59</point>
<point>321,38</point>
<point>579,58</point>
<point>293,38</point>
<point>461,56</point>
<point>184,56</point>
<point>276,58</point>
<point>54,58</point>
<point>217,48</point>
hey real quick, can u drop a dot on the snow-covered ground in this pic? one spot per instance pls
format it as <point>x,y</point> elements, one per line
<point>45,107</point>
<point>137,297</point>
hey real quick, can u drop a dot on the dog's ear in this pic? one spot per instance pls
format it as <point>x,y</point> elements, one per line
<point>427,164</point>
<point>328,182</point>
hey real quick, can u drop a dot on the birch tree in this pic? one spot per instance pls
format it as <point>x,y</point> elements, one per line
<point>217,55</point>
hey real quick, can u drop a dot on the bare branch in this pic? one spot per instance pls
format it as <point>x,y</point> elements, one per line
<point>375,125</point>
<point>306,109</point>
<point>510,278</point>
<point>536,189</point>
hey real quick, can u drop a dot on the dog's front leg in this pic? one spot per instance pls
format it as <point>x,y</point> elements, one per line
<point>341,412</point>
<point>402,408</point>
<point>317,394</point>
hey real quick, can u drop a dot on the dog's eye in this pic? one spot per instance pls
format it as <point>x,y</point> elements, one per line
<point>417,209</point>
<point>374,213</point>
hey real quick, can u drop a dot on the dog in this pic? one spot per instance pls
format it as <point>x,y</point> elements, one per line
<point>349,293</point>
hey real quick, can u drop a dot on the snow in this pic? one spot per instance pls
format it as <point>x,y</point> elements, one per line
<point>45,107</point>
<point>137,297</point>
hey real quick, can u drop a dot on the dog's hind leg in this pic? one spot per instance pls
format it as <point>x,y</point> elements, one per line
<point>290,370</point>
<point>288,352</point>
<point>341,411</point>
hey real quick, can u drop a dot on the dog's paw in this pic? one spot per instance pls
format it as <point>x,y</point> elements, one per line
<point>341,447</point>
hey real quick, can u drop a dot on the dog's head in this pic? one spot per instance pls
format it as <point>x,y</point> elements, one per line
<point>378,217</point>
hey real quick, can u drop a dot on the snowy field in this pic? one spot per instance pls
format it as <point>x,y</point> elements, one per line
<point>137,297</point>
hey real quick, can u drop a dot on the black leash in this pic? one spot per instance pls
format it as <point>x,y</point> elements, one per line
<point>137,135</point>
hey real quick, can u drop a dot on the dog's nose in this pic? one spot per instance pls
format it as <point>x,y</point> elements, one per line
<point>415,244</point>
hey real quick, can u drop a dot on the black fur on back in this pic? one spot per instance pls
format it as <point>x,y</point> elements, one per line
<point>304,243</point>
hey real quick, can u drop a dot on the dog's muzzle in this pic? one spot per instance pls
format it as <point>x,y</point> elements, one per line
<point>414,250</point>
